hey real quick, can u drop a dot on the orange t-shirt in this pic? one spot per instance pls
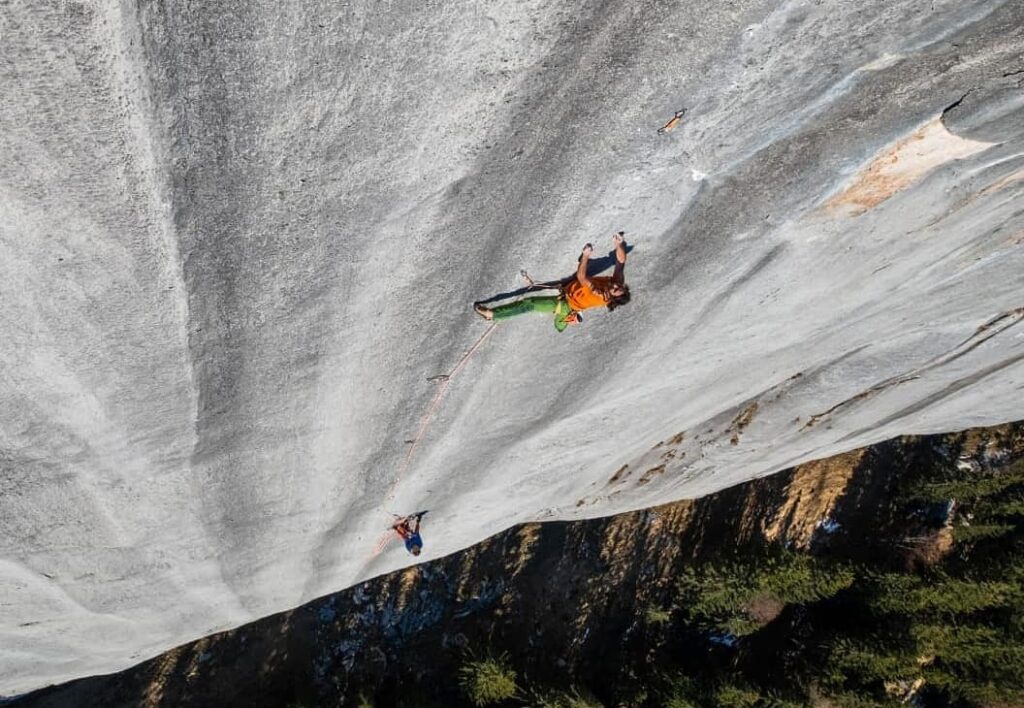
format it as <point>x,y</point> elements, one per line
<point>580,297</point>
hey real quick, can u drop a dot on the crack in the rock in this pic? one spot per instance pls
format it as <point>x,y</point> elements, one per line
<point>988,330</point>
<point>954,104</point>
<point>957,102</point>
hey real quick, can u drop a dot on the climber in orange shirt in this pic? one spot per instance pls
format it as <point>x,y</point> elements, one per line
<point>584,293</point>
<point>578,294</point>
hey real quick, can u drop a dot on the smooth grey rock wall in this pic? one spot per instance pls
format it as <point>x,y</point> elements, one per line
<point>237,237</point>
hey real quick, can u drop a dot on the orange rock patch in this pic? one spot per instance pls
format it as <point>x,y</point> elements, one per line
<point>901,165</point>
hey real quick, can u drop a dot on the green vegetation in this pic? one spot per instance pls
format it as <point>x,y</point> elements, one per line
<point>972,487</point>
<point>951,633</point>
<point>560,699</point>
<point>775,628</point>
<point>656,615</point>
<point>980,532</point>
<point>488,681</point>
<point>729,691</point>
<point>739,597</point>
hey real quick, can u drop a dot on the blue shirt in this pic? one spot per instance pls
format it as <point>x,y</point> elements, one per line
<point>413,540</point>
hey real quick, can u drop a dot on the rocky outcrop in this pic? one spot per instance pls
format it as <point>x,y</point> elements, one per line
<point>570,603</point>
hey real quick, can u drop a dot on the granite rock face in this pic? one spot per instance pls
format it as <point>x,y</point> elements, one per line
<point>236,239</point>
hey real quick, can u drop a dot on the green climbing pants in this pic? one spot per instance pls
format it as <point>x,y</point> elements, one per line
<point>551,304</point>
<point>521,307</point>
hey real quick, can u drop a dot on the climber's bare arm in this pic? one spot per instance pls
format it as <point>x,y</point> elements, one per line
<point>581,270</point>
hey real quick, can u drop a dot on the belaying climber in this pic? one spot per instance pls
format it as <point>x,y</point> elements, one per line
<point>408,529</point>
<point>578,294</point>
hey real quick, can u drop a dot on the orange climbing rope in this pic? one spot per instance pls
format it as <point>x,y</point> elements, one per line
<point>445,381</point>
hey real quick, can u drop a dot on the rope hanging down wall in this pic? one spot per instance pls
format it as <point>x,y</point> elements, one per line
<point>445,381</point>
